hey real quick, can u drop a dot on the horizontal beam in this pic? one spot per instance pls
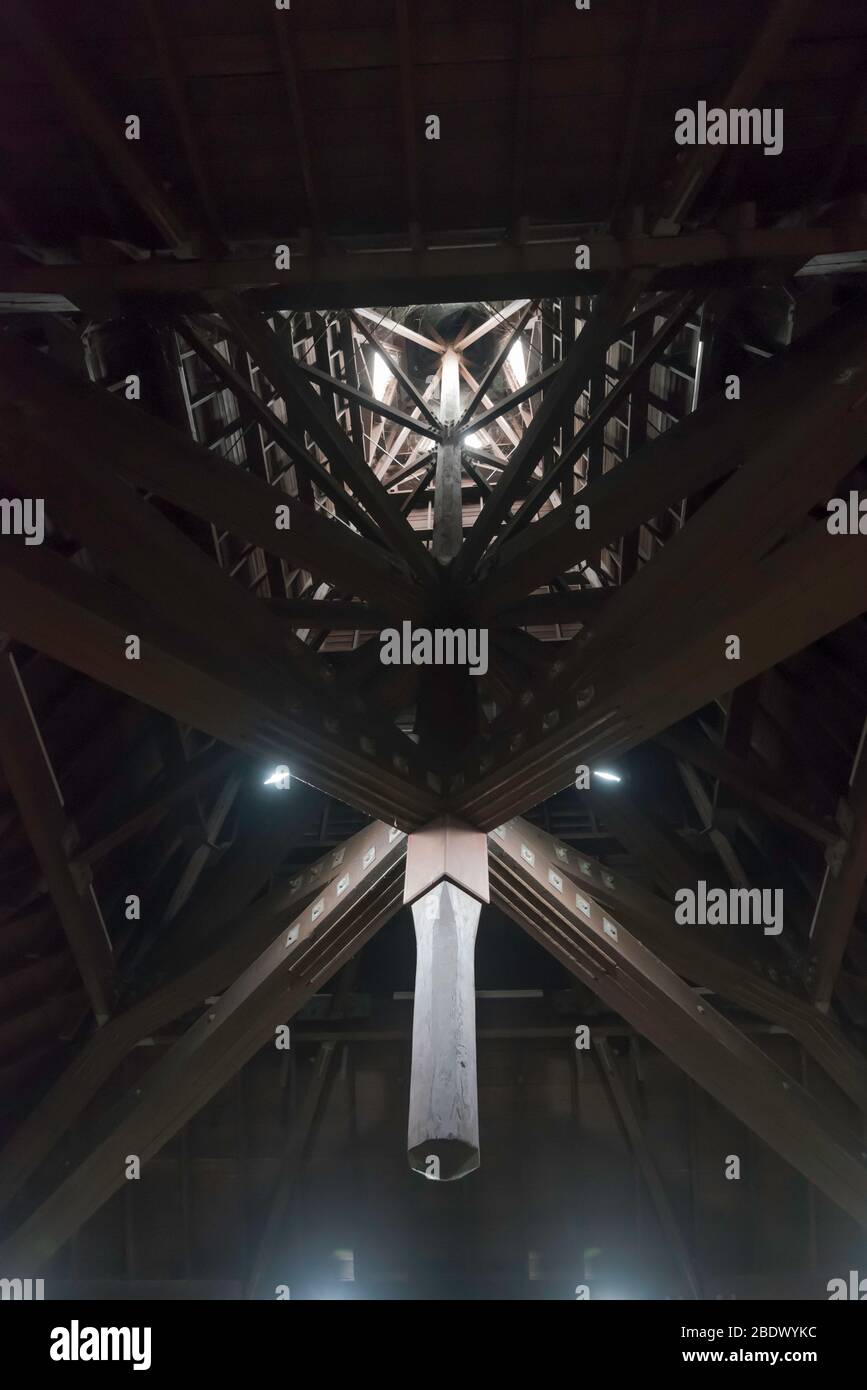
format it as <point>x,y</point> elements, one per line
<point>450,273</point>
<point>574,606</point>
<point>327,614</point>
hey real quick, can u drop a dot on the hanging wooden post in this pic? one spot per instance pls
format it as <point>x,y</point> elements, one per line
<point>446,882</point>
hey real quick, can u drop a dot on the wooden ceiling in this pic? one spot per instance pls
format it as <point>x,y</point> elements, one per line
<point>546,113</point>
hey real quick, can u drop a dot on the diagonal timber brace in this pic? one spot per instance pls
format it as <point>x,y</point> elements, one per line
<point>729,969</point>
<point>73,617</point>
<point>594,946</point>
<point>306,952</point>
<point>245,935</point>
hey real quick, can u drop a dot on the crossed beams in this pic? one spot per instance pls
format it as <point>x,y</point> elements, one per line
<point>360,897</point>
<point>572,906</point>
<point>737,567</point>
<point>594,946</point>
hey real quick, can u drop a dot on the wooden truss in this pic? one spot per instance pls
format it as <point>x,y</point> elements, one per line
<point>702,524</point>
<point>570,905</point>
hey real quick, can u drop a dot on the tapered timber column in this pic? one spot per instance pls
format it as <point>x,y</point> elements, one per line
<point>446,882</point>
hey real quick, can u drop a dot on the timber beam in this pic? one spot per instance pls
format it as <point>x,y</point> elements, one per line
<point>842,885</point>
<point>378,407</point>
<point>699,450</point>
<point>594,946</point>
<point>155,456</point>
<point>69,615</point>
<point>592,432</point>
<point>296,965</point>
<point>540,268</point>
<point>345,505</point>
<point>732,570</point>
<point>30,777</point>
<point>625,1112</point>
<point>753,782</point>
<point>246,933</point>
<point>571,378</point>
<point>799,593</point>
<point>288,380</point>
<point>753,976</point>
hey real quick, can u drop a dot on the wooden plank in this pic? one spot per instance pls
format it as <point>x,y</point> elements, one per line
<point>497,363</point>
<point>156,560</point>
<point>378,407</point>
<point>28,22</point>
<point>293,80</point>
<point>418,401</point>
<point>160,797</point>
<point>603,407</point>
<point>409,117</point>
<point>723,562</point>
<point>298,1140</point>
<point>644,834</point>
<point>174,81</point>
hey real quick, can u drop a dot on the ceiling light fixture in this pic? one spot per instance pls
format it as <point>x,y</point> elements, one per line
<point>518,362</point>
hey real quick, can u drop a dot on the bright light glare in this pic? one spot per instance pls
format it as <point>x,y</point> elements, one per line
<point>607,776</point>
<point>472,441</point>
<point>518,362</point>
<point>278,778</point>
<point>381,375</point>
